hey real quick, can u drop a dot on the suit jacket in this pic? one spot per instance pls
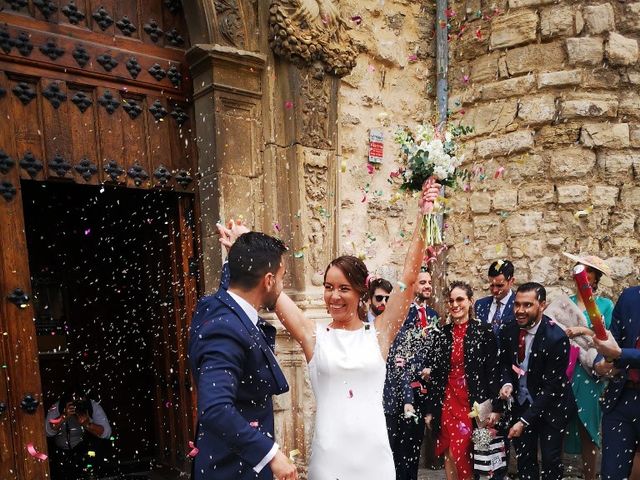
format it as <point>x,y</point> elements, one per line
<point>480,366</point>
<point>483,305</point>
<point>547,382</point>
<point>410,345</point>
<point>625,328</point>
<point>236,374</point>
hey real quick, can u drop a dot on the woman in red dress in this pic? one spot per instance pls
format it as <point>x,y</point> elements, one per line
<point>464,370</point>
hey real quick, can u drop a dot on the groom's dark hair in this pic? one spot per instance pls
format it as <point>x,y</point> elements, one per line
<point>251,257</point>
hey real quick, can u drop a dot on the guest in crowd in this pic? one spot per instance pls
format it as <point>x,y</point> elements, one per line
<point>583,432</point>
<point>379,291</point>
<point>403,391</point>
<point>497,308</point>
<point>621,403</point>
<point>533,359</point>
<point>464,370</point>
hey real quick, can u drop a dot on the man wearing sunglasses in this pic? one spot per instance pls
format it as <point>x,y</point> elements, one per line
<point>379,291</point>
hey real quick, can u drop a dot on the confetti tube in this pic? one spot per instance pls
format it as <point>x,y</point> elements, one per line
<point>584,289</point>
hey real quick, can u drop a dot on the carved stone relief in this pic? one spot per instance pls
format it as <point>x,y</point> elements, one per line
<point>310,31</point>
<point>315,102</point>
<point>230,22</point>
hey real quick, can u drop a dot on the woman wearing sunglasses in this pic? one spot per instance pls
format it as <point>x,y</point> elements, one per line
<point>464,370</point>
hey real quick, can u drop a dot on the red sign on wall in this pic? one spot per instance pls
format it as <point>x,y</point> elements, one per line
<point>376,146</point>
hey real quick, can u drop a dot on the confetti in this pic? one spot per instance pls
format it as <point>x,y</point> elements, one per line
<point>87,232</point>
<point>91,453</point>
<point>254,424</point>
<point>357,19</point>
<point>288,104</point>
<point>194,450</point>
<point>465,79</point>
<point>499,172</point>
<point>293,454</point>
<point>343,166</point>
<point>583,213</point>
<point>276,226</point>
<point>34,453</point>
<point>350,393</point>
<point>298,254</point>
<point>402,286</point>
<point>412,58</point>
<point>370,169</point>
<point>475,411</point>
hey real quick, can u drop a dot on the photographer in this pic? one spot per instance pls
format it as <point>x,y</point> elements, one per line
<point>77,425</point>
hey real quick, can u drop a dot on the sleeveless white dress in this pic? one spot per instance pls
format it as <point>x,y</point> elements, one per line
<point>347,374</point>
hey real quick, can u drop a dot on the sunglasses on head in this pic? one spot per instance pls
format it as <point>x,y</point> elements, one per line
<point>380,298</point>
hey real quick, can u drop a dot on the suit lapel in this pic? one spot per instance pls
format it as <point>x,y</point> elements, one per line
<point>258,338</point>
<point>537,343</point>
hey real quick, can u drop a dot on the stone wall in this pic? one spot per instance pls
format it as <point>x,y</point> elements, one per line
<point>552,90</point>
<point>393,84</point>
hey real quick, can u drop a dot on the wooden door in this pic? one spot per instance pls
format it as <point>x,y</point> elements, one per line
<point>91,92</point>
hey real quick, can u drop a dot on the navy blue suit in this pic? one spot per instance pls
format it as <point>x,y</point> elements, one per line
<point>483,305</point>
<point>621,401</point>
<point>236,374</point>
<point>405,435</point>
<point>553,401</point>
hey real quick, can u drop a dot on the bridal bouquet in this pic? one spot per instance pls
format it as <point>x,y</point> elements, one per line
<point>430,155</point>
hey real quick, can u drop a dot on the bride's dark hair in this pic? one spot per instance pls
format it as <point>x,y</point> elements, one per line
<point>356,272</point>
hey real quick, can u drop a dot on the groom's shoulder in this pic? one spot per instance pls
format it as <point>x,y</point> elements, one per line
<point>212,314</point>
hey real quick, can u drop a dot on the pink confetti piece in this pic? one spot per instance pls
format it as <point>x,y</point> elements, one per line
<point>87,232</point>
<point>194,450</point>
<point>364,199</point>
<point>254,424</point>
<point>168,404</point>
<point>357,19</point>
<point>450,13</point>
<point>478,34</point>
<point>288,104</point>
<point>518,370</point>
<point>372,68</point>
<point>35,453</point>
<point>350,393</point>
<point>499,172</point>
<point>370,169</point>
<point>412,58</point>
<point>465,79</point>
<point>276,226</point>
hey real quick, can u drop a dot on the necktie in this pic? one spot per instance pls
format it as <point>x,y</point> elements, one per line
<point>634,373</point>
<point>521,345</point>
<point>422,313</point>
<point>495,321</point>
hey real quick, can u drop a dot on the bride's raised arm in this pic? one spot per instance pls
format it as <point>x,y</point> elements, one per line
<point>389,322</point>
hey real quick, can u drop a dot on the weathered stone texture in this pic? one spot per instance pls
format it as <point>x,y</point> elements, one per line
<point>513,29</point>
<point>559,79</point>
<point>557,21</point>
<point>622,50</point>
<point>505,145</point>
<point>617,163</point>
<point>573,193</point>
<point>531,195</point>
<point>545,57</point>
<point>589,105</point>
<point>605,135</point>
<point>508,88</point>
<point>604,196</point>
<point>599,18</point>
<point>537,109</point>
<point>571,162</point>
<point>585,50</point>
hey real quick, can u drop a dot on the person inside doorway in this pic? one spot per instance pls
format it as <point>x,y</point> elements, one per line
<point>79,431</point>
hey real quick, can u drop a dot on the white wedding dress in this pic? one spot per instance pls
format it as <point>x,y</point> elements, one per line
<point>347,373</point>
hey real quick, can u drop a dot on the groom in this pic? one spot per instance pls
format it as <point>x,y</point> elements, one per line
<point>235,369</point>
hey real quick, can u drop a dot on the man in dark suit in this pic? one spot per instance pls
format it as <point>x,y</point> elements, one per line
<point>404,394</point>
<point>620,359</point>
<point>534,354</point>
<point>497,308</point>
<point>235,369</point>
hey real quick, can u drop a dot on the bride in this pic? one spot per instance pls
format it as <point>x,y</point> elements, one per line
<point>347,362</point>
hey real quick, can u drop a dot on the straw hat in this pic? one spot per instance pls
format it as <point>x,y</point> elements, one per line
<point>591,261</point>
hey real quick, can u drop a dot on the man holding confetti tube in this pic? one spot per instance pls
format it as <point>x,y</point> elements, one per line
<point>620,359</point>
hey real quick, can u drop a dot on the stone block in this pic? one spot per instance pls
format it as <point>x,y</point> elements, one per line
<point>611,135</point>
<point>604,196</point>
<point>523,223</point>
<point>623,223</point>
<point>510,143</point>
<point>616,162</point>
<point>491,117</point>
<point>480,202</point>
<point>485,68</point>
<point>621,267</point>
<point>592,105</point>
<point>631,196</point>
<point>531,195</point>
<point>599,18</point>
<point>528,3</point>
<point>505,199</point>
<point>558,134</point>
<point>630,103</point>
<point>600,78</point>
<point>487,227</point>
<point>514,28</point>
<point>508,88</point>
<point>585,50</point>
<point>557,21</point>
<point>634,135</point>
<point>537,109</point>
<point>631,19</point>
<point>544,270</point>
<point>528,166</point>
<point>544,57</point>
<point>570,162</point>
<point>560,79</point>
<point>622,50</point>
<point>572,194</point>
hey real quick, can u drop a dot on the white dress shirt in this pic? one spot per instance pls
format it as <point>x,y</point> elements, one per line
<point>252,313</point>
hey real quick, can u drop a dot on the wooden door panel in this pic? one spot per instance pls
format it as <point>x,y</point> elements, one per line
<point>57,135</point>
<point>102,16</point>
<point>82,124</point>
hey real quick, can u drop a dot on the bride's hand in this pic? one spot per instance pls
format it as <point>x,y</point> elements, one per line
<point>428,196</point>
<point>228,235</point>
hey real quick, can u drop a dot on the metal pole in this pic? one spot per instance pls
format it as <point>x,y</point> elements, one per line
<point>442,60</point>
